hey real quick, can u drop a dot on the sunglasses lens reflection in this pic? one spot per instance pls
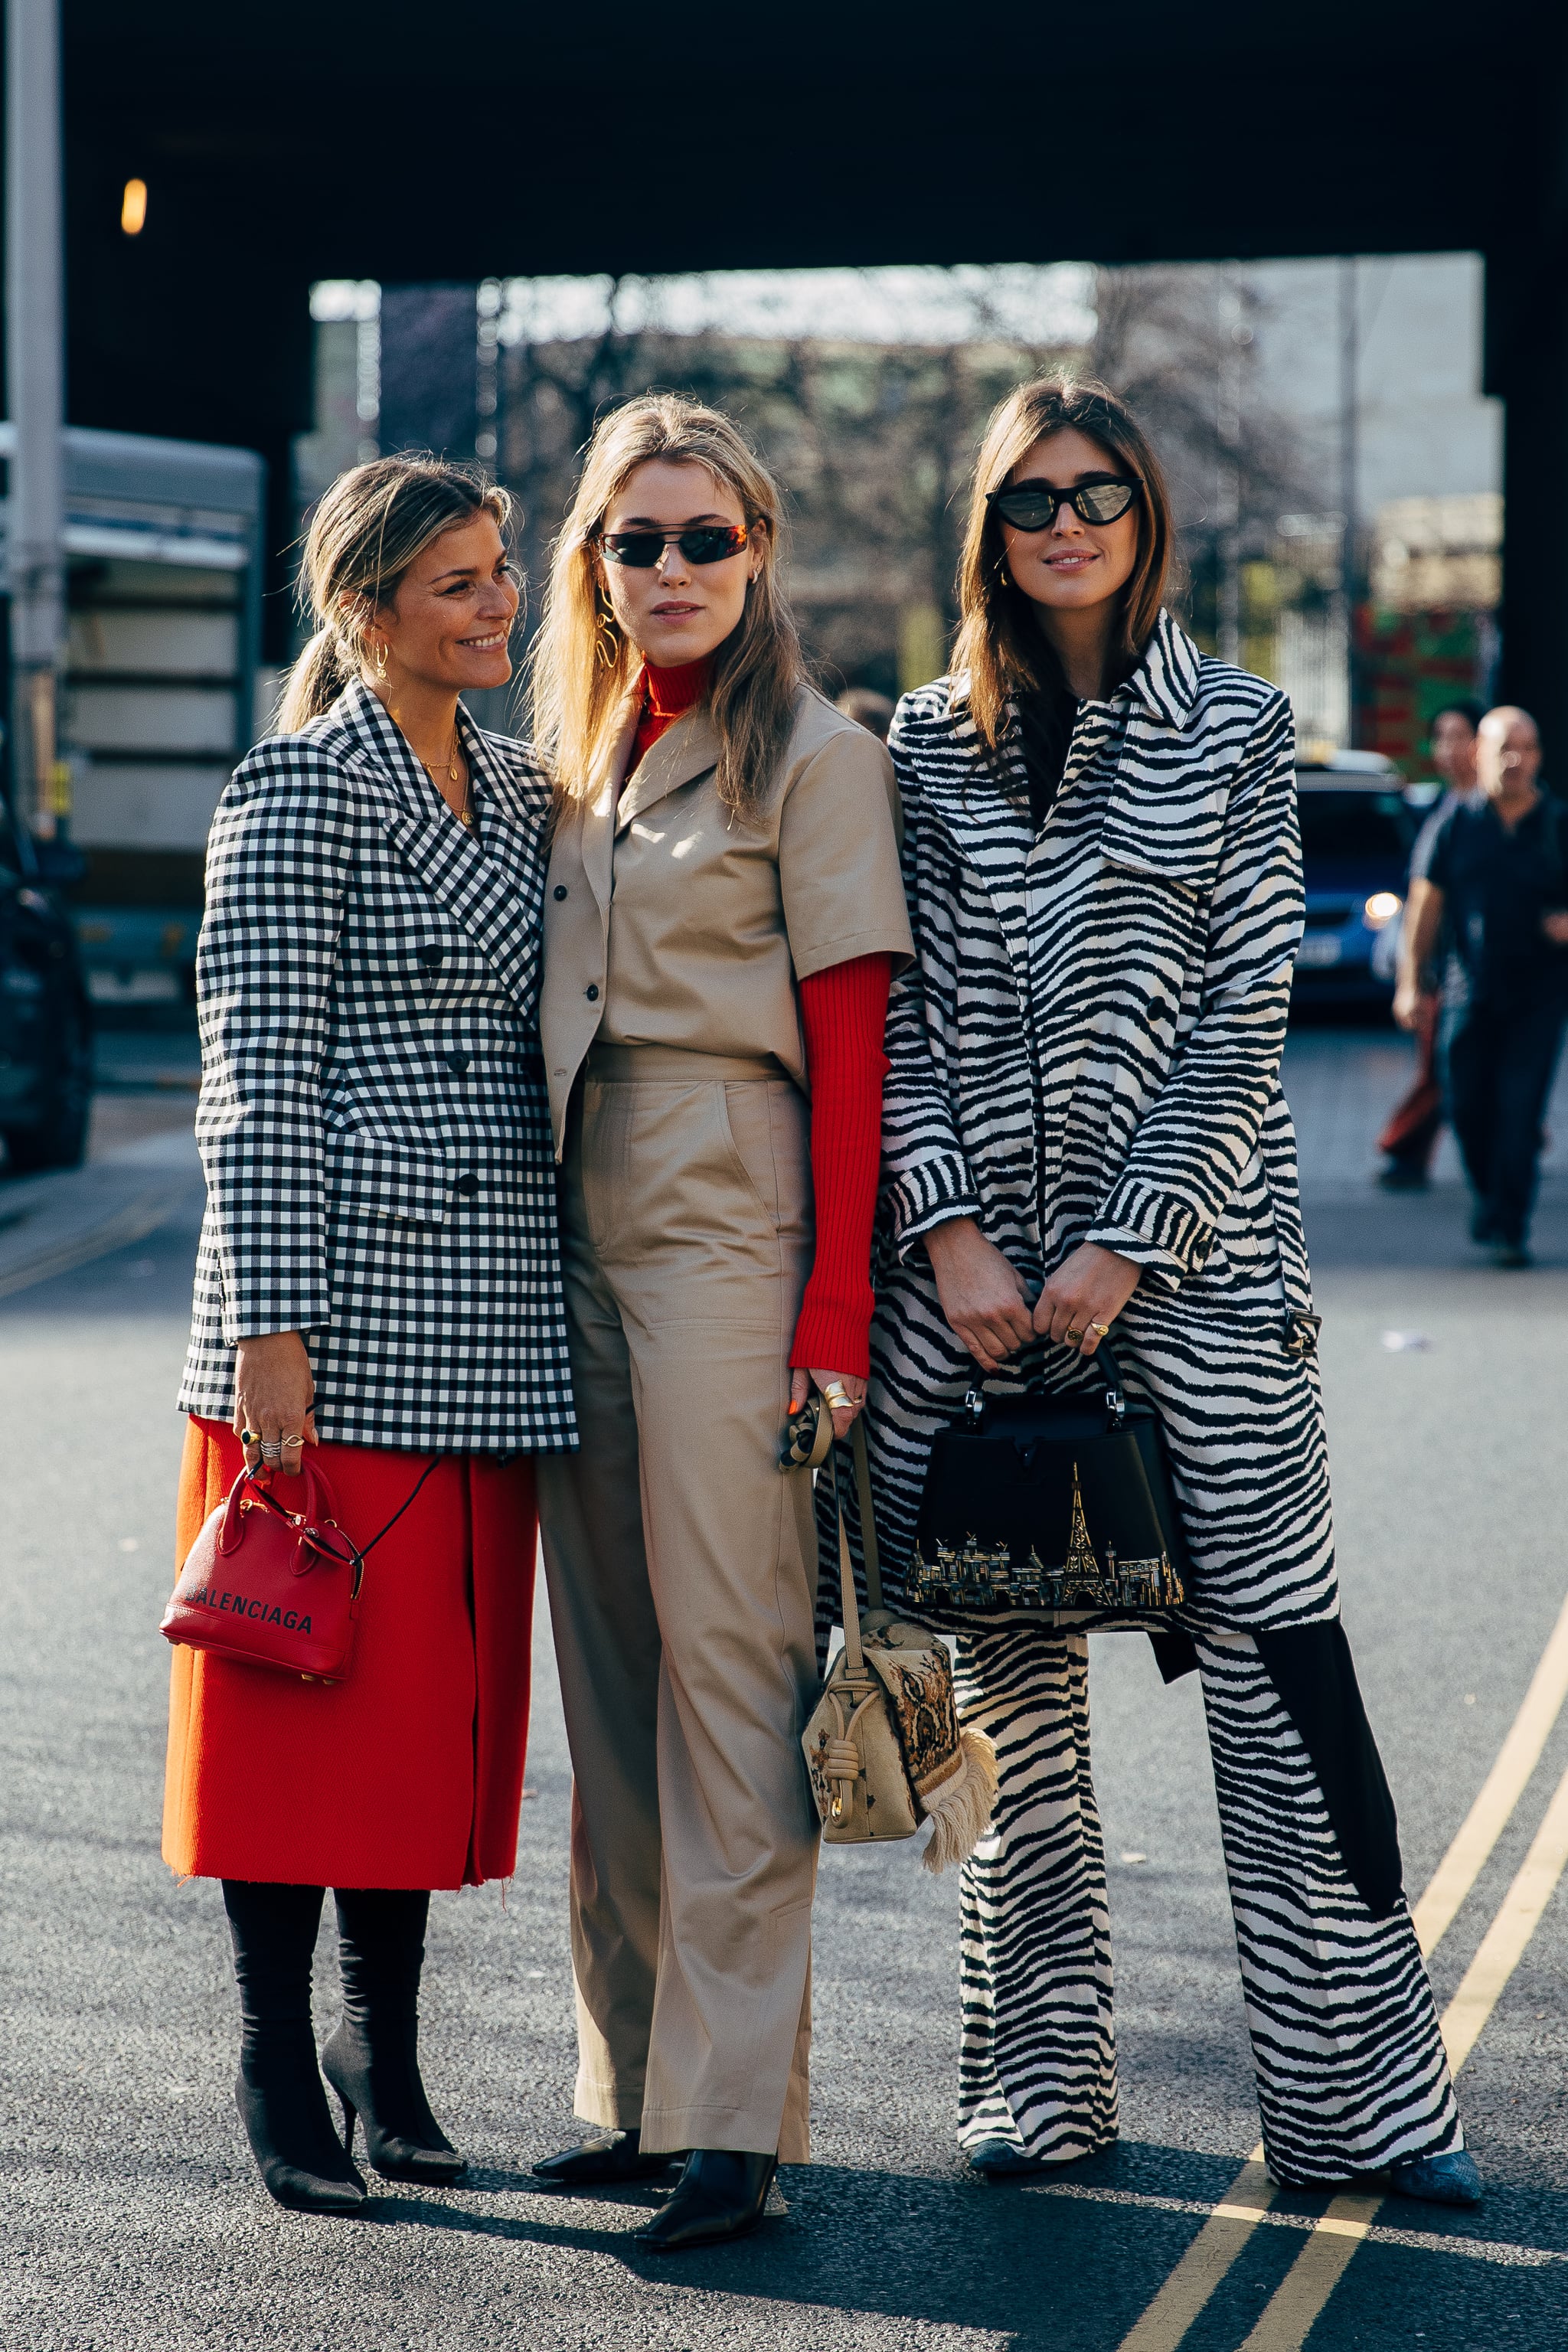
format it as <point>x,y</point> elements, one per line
<point>1103,501</point>
<point>1028,508</point>
<point>641,550</point>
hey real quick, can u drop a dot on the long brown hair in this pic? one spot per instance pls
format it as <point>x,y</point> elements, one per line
<point>999,642</point>
<point>369,527</point>
<point>582,664</point>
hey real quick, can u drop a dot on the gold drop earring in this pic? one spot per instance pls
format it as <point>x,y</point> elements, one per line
<point>380,662</point>
<point>606,645</point>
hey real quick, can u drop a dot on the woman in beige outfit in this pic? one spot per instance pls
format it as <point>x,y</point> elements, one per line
<point>722,913</point>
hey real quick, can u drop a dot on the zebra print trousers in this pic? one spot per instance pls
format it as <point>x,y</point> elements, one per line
<point>1350,2064</point>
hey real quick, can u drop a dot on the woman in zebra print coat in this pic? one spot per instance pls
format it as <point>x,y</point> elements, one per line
<point>1103,871</point>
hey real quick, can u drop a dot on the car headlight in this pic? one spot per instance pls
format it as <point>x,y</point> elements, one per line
<point>1381,909</point>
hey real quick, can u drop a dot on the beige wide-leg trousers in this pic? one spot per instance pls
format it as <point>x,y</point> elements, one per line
<point>682,1566</point>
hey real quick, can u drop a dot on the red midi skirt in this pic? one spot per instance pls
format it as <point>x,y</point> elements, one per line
<point>408,1773</point>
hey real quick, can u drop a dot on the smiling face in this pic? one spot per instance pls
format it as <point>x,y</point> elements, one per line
<point>448,624</point>
<point>678,611</point>
<point>1074,565</point>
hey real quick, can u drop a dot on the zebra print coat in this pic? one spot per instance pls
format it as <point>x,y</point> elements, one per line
<point>1086,1048</point>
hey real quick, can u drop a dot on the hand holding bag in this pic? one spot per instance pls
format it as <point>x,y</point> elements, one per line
<point>883,1749</point>
<point>268,1586</point>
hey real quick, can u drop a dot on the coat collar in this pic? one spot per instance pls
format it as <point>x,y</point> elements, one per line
<point>1166,681</point>
<point>487,882</point>
<point>684,751</point>
<point>1153,823</point>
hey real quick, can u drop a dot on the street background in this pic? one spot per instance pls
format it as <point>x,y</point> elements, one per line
<point>132,2214</point>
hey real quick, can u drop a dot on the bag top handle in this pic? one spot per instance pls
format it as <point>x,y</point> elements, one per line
<point>1104,1358</point>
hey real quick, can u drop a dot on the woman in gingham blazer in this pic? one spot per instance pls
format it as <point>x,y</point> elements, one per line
<point>378,1281</point>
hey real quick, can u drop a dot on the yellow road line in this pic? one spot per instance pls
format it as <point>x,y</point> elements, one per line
<point>1196,2277</point>
<point>1205,2261</point>
<point>1314,2274</point>
<point>1503,1946</point>
<point>1500,1792</point>
<point>1322,2263</point>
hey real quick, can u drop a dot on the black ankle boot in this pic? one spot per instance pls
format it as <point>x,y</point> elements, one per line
<point>721,2194</point>
<point>279,2090</point>
<point>601,2160</point>
<point>373,2060</point>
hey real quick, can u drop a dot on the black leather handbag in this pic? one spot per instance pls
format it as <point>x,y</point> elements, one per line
<point>1051,1502</point>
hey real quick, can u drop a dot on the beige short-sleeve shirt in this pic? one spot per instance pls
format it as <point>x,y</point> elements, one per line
<point>668,922</point>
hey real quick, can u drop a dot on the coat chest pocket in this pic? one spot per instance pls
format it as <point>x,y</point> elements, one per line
<point>369,1178</point>
<point>1166,838</point>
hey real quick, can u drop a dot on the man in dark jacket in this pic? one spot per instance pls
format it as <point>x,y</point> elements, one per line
<point>1410,1139</point>
<point>1496,868</point>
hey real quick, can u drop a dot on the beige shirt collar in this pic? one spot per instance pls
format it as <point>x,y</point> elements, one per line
<point>684,751</point>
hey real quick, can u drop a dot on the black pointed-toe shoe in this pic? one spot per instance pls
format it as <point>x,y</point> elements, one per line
<point>376,2076</point>
<point>283,2106</point>
<point>606,2159</point>
<point>721,2194</point>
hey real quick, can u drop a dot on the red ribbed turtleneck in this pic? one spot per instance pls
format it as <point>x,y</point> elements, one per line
<point>843,1012</point>
<point>668,695</point>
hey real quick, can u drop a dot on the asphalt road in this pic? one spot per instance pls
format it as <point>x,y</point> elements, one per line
<point>131,2216</point>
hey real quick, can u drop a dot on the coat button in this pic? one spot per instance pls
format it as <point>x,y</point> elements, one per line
<point>468,1183</point>
<point>431,958</point>
<point>560,889</point>
<point>592,992</point>
<point>458,1064</point>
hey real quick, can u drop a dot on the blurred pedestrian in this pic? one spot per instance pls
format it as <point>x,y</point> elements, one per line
<point>715,1060</point>
<point>1084,1131</point>
<point>1493,873</point>
<point>1411,1136</point>
<point>379,1283</point>
<point>867,708</point>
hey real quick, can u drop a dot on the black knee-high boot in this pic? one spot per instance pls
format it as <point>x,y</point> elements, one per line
<point>373,2060</point>
<point>281,2099</point>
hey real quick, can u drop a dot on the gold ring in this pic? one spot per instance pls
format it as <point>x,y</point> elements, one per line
<point>1073,1337</point>
<point>1103,1330</point>
<point>837,1396</point>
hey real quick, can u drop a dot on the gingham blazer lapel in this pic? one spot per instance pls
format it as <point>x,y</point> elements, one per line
<point>477,879</point>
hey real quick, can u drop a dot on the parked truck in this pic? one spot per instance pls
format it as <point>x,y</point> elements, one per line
<point>160,693</point>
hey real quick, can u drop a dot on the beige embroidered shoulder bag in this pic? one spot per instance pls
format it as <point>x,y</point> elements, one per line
<point>884,1749</point>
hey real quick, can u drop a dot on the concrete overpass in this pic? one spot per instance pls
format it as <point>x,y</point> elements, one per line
<point>294,142</point>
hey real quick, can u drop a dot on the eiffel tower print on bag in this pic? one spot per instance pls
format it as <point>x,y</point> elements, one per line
<point>1050,1501</point>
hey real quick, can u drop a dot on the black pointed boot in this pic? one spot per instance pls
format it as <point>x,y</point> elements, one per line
<point>280,2092</point>
<point>373,2060</point>
<point>721,2194</point>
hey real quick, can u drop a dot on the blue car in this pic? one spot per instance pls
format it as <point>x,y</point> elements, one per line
<point>1358,823</point>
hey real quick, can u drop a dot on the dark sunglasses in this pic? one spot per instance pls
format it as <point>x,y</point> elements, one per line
<point>710,544</point>
<point>1035,506</point>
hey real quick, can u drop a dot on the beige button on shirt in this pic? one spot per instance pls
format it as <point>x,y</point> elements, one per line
<point>668,922</point>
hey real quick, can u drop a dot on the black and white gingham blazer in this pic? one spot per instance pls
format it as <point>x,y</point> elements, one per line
<point>372,1119</point>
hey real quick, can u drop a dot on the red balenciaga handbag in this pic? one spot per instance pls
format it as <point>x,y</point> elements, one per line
<point>271,1587</point>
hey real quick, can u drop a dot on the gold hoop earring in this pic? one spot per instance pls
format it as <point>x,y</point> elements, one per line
<point>606,644</point>
<point>381,663</point>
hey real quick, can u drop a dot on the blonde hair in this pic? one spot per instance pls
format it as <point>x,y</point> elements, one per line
<point>999,643</point>
<point>582,664</point>
<point>369,527</point>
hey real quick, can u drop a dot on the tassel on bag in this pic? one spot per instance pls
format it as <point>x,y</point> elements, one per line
<point>884,1749</point>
